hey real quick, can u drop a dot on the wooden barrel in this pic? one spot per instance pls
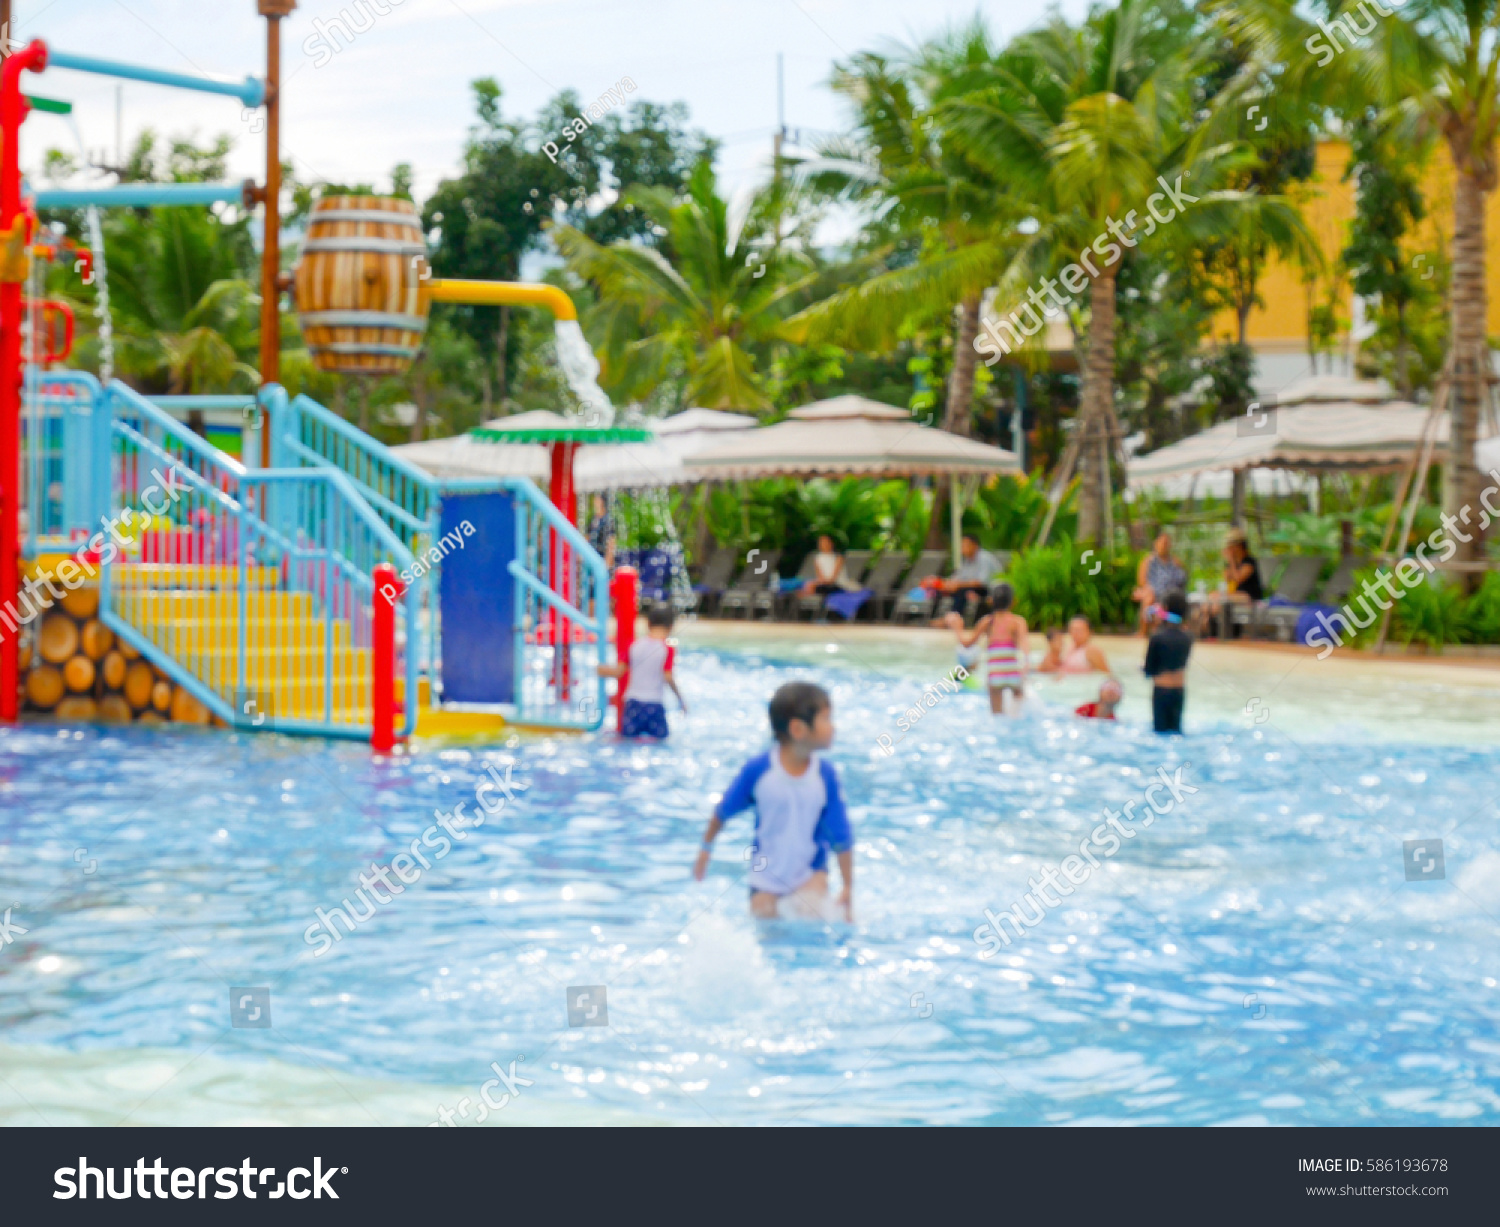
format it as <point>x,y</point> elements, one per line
<point>356,284</point>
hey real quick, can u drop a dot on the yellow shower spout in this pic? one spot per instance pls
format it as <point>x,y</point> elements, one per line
<point>501,294</point>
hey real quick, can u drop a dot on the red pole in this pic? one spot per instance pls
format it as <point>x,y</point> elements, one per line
<point>13,109</point>
<point>622,591</point>
<point>388,587</point>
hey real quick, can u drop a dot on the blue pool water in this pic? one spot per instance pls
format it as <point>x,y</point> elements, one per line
<point>1256,955</point>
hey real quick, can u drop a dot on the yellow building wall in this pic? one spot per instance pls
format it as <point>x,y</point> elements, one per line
<point>1327,204</point>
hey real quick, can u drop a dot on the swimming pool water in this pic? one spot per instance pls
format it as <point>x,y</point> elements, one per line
<point>1256,955</point>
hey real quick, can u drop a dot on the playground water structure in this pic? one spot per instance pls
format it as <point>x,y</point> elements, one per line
<point>275,596</point>
<point>1255,956</point>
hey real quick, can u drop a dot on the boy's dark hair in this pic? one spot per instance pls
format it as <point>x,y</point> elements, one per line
<point>796,701</point>
<point>661,615</point>
<point>1176,603</point>
<point>1001,595</point>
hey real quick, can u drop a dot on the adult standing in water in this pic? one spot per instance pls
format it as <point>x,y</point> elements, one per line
<point>1082,655</point>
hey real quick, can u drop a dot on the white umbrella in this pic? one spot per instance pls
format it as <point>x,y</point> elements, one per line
<point>466,456</point>
<point>1315,435</point>
<point>634,466</point>
<point>847,435</point>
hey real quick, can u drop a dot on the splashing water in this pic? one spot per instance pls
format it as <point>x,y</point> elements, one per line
<point>101,299</point>
<point>659,501</point>
<point>581,369</point>
<point>101,280</point>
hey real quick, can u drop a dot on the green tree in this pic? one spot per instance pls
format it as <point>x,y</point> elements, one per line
<point>712,300</point>
<point>1093,122</point>
<point>1431,67</point>
<point>1388,206</point>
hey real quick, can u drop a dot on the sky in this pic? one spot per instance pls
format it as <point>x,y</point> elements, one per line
<point>399,90</point>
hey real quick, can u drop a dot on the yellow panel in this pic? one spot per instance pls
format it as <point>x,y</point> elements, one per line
<point>1327,202</point>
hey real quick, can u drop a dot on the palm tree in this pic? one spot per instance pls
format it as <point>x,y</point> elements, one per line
<point>707,302</point>
<point>186,318</point>
<point>1105,126</point>
<point>944,227</point>
<point>1436,65</point>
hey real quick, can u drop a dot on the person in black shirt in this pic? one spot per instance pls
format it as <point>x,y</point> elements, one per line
<point>1166,665</point>
<point>1241,578</point>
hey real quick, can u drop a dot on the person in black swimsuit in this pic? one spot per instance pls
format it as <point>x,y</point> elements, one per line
<point>1166,665</point>
<point>1241,577</point>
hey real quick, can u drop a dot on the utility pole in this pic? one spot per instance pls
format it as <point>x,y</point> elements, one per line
<point>119,124</point>
<point>778,139</point>
<point>270,259</point>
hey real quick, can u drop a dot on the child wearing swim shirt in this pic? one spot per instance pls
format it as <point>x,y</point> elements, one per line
<point>649,673</point>
<point>799,811</point>
<point>1166,665</point>
<point>1005,658</point>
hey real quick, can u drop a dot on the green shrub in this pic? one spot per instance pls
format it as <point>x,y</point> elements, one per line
<point>1433,611</point>
<point>1481,612</point>
<point>1053,585</point>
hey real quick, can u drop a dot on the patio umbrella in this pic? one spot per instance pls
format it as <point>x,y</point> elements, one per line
<point>635,466</point>
<point>1322,423</point>
<point>466,456</point>
<point>847,435</point>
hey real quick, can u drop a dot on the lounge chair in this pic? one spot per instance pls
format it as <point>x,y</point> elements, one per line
<point>855,563</point>
<point>717,573</point>
<point>929,564</point>
<point>755,579</point>
<point>1293,588</point>
<point>882,581</point>
<point>1335,591</point>
<point>778,604</point>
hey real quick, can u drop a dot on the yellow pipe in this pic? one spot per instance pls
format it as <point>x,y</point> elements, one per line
<point>501,294</point>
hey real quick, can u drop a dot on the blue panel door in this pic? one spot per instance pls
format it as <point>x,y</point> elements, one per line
<point>477,599</point>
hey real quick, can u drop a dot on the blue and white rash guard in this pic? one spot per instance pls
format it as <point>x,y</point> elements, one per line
<point>798,819</point>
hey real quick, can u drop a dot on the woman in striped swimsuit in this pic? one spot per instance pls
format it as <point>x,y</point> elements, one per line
<point>1005,659</point>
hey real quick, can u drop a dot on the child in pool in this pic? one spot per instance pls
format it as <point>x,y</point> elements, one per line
<point>1102,708</point>
<point>1005,636</point>
<point>1052,658</point>
<point>650,671</point>
<point>1166,665</point>
<point>799,812</point>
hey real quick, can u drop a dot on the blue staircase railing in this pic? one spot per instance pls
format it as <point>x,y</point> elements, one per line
<point>562,588</point>
<point>250,588</point>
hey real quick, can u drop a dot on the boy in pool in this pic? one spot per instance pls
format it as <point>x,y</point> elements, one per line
<point>799,811</point>
<point>650,671</point>
<point>1166,665</point>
